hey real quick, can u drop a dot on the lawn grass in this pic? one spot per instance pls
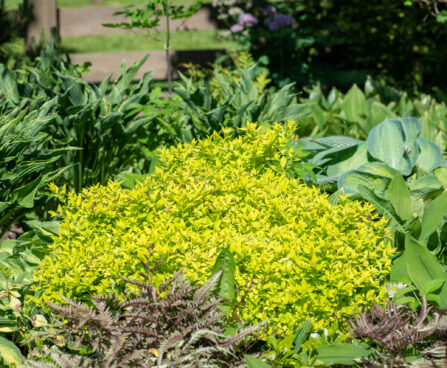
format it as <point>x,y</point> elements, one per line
<point>186,40</point>
<point>14,4</point>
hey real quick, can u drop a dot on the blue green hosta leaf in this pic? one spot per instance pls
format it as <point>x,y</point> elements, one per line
<point>412,128</point>
<point>424,186</point>
<point>351,180</point>
<point>386,143</point>
<point>429,156</point>
<point>350,158</point>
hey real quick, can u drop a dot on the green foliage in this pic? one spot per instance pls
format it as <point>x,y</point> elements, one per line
<point>12,26</point>
<point>18,259</point>
<point>226,284</point>
<point>173,325</point>
<point>149,16</point>
<point>399,172</point>
<point>240,61</point>
<point>238,102</point>
<point>303,350</point>
<point>224,192</point>
<point>393,146</point>
<point>55,127</point>
<point>357,112</point>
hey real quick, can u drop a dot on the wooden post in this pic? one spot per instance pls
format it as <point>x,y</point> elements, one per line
<point>44,21</point>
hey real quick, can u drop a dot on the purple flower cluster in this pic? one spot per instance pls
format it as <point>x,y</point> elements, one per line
<point>273,20</point>
<point>246,20</point>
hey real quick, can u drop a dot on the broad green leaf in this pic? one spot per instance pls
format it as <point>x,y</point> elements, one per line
<point>423,267</point>
<point>412,128</point>
<point>379,169</point>
<point>226,286</point>
<point>378,113</point>
<point>355,106</point>
<point>429,155</point>
<point>131,179</point>
<point>350,182</point>
<point>424,186</point>
<point>399,270</point>
<point>349,159</point>
<point>10,353</point>
<point>45,228</point>
<point>386,143</point>
<point>253,362</point>
<point>432,286</point>
<point>335,141</point>
<point>318,116</point>
<point>434,216</point>
<point>441,175</point>
<point>399,196</point>
<point>25,194</point>
<point>384,207</point>
<point>301,335</point>
<point>8,85</point>
<point>341,353</point>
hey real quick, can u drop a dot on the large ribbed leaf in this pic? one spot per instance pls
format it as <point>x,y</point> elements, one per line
<point>355,106</point>
<point>424,186</point>
<point>386,143</point>
<point>10,353</point>
<point>429,156</point>
<point>399,196</point>
<point>350,182</point>
<point>423,267</point>
<point>341,353</point>
<point>379,169</point>
<point>350,158</point>
<point>226,286</point>
<point>412,128</point>
<point>253,362</point>
<point>434,216</point>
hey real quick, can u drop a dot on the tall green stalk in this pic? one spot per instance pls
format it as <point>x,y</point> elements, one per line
<point>168,47</point>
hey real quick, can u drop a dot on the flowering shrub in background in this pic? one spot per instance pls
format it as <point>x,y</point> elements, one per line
<point>272,20</point>
<point>267,30</point>
<point>306,42</point>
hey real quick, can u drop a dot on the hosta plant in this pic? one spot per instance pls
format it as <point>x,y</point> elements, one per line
<point>393,146</point>
<point>172,325</point>
<point>55,127</point>
<point>302,256</point>
<point>357,112</point>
